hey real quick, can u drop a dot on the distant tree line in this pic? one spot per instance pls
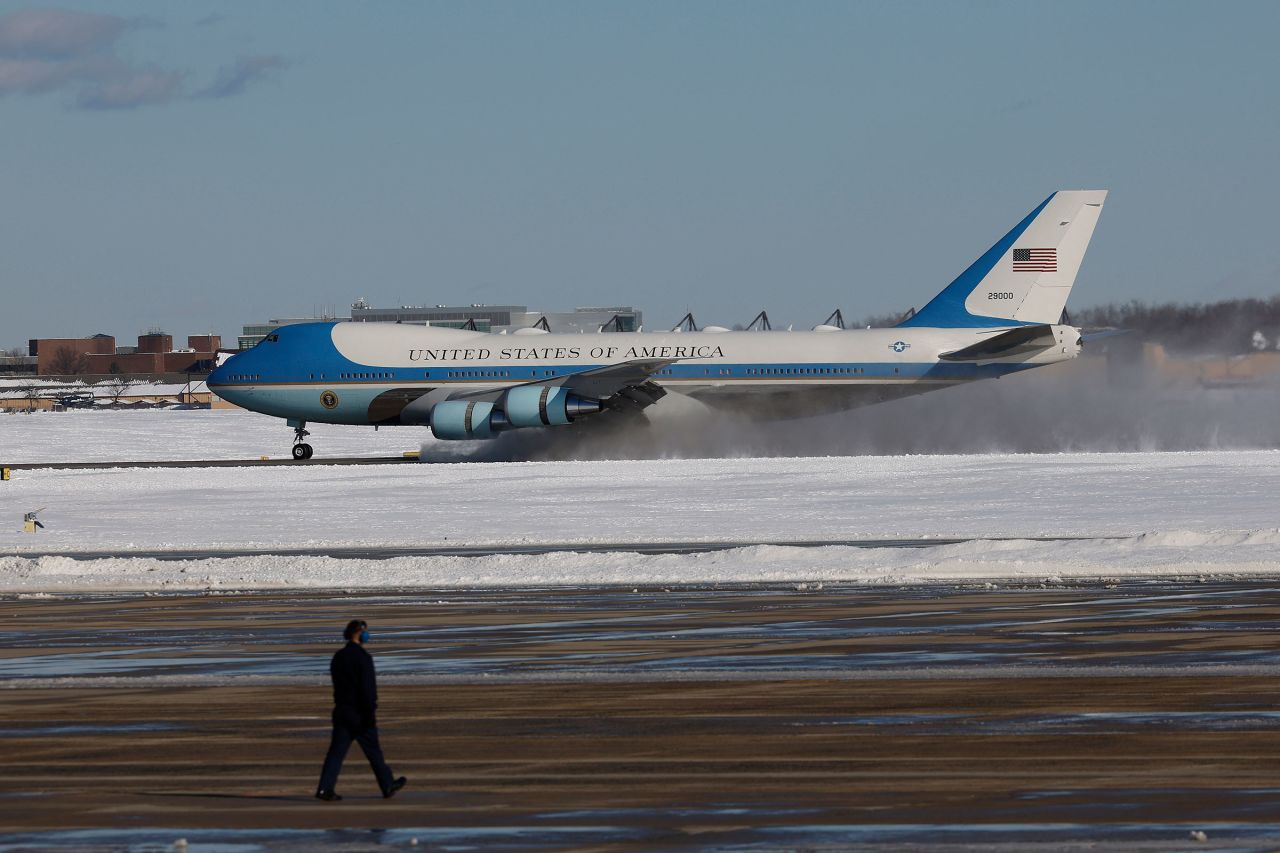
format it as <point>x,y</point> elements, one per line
<point>1226,327</point>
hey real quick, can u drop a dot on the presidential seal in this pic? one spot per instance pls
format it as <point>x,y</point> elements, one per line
<point>329,400</point>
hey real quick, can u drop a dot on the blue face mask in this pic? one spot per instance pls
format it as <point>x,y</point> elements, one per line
<point>364,635</point>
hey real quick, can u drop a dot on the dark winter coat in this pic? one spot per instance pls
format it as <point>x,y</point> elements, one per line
<point>355,688</point>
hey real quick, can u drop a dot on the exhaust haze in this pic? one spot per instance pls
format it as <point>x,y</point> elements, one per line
<point>1048,410</point>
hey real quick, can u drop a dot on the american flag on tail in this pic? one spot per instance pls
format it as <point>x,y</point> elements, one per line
<point>1035,260</point>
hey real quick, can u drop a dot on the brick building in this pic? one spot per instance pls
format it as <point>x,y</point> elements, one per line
<point>100,355</point>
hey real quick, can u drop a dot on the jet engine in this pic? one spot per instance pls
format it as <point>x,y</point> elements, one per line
<point>459,420</point>
<point>523,406</point>
<point>544,405</point>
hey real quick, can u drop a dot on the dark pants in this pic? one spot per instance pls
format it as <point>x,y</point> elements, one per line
<point>346,728</point>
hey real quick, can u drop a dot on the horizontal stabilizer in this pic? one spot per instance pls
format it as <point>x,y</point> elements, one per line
<point>1013,342</point>
<point>1103,333</point>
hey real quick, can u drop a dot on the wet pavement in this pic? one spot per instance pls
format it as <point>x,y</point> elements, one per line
<point>905,838</point>
<point>1120,716</point>
<point>751,631</point>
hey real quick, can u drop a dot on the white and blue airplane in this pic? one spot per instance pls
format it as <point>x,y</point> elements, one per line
<point>999,316</point>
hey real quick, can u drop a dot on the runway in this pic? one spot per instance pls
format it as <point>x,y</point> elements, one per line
<point>210,463</point>
<point>375,552</point>
<point>1108,717</point>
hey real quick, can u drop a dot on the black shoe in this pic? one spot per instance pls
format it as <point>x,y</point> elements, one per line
<point>328,796</point>
<point>395,786</point>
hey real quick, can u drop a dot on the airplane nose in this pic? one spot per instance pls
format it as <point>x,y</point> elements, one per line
<point>220,382</point>
<point>218,376</point>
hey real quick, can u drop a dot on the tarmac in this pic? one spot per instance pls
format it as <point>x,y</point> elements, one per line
<point>408,458</point>
<point>1119,717</point>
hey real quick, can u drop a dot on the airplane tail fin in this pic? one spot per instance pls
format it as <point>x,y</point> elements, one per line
<point>1025,278</point>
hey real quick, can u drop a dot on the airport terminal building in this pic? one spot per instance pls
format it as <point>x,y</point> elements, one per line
<point>99,355</point>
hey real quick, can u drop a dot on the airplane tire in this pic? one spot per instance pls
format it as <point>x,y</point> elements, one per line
<point>302,451</point>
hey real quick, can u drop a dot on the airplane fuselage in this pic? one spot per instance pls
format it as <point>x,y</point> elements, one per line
<point>377,373</point>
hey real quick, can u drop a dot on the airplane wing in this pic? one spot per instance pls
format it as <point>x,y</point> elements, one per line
<point>1013,342</point>
<point>626,385</point>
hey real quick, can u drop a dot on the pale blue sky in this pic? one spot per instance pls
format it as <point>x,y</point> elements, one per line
<point>201,165</point>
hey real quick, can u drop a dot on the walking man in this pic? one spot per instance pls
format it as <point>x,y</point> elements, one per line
<point>355,703</point>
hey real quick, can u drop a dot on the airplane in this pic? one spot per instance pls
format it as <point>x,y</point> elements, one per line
<point>1002,315</point>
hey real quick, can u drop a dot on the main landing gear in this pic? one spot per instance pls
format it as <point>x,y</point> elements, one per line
<point>301,450</point>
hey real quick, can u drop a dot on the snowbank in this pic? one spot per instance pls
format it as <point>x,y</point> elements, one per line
<point>1181,553</point>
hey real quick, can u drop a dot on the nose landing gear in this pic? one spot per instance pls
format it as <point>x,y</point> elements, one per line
<point>301,450</point>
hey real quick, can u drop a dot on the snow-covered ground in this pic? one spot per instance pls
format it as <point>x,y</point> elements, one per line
<point>1180,513</point>
<point>91,436</point>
